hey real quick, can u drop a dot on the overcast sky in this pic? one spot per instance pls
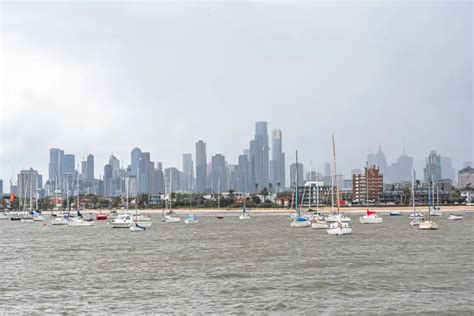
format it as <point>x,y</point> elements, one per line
<point>105,77</point>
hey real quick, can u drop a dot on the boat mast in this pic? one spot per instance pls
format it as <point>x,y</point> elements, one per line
<point>310,179</point>
<point>171,190</point>
<point>335,174</point>
<point>316,187</point>
<point>78,186</point>
<point>413,191</point>
<point>296,187</point>
<point>367,184</point>
<point>218,194</point>
<point>136,197</point>
<point>31,194</point>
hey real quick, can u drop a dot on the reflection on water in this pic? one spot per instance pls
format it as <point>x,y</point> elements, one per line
<point>223,266</point>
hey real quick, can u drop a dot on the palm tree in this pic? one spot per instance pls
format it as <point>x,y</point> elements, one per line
<point>278,186</point>
<point>256,187</point>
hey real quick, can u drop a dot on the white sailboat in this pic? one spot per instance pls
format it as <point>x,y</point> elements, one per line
<point>58,218</point>
<point>436,210</point>
<point>244,215</point>
<point>169,216</point>
<point>455,217</point>
<point>26,216</point>
<point>79,220</point>
<point>140,220</point>
<point>416,217</point>
<point>191,218</point>
<point>318,221</point>
<point>339,226</point>
<point>124,220</point>
<point>428,224</point>
<point>298,220</point>
<point>371,217</point>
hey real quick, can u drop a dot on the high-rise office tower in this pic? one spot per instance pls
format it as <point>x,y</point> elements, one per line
<point>201,167</point>
<point>433,167</point>
<point>1,187</point>
<point>277,164</point>
<point>219,175</point>
<point>243,184</point>
<point>28,183</point>
<point>56,167</point>
<point>447,170</point>
<point>69,163</point>
<point>261,154</point>
<point>90,168</point>
<point>108,180</point>
<point>188,172</point>
<point>135,160</point>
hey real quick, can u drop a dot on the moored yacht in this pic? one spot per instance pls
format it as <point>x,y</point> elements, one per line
<point>298,220</point>
<point>455,217</point>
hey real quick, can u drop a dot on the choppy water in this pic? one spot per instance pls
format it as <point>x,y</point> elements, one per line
<point>228,266</point>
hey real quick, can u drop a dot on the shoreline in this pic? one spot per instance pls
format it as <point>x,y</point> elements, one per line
<point>286,211</point>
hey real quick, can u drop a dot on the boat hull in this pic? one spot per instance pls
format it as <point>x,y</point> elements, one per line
<point>370,219</point>
<point>300,224</point>
<point>319,225</point>
<point>455,217</point>
<point>428,225</point>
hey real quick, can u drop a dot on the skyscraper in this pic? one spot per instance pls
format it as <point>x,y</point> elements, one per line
<point>433,167</point>
<point>201,167</point>
<point>447,170</point>
<point>188,172</point>
<point>219,176</point>
<point>90,168</point>
<point>1,188</point>
<point>28,183</point>
<point>277,164</point>
<point>108,180</point>
<point>243,184</point>
<point>69,163</point>
<point>261,154</point>
<point>135,160</point>
<point>56,167</point>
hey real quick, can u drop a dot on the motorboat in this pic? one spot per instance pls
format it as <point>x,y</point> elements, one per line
<point>370,218</point>
<point>455,217</point>
<point>101,216</point>
<point>337,217</point>
<point>416,215</point>
<point>191,219</point>
<point>395,213</point>
<point>122,221</point>
<point>339,228</point>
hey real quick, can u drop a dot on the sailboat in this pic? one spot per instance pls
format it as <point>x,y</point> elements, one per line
<point>428,224</point>
<point>298,221</point>
<point>318,221</point>
<point>79,220</point>
<point>58,218</point>
<point>415,216</point>
<point>191,218</point>
<point>371,217</point>
<point>170,217</point>
<point>436,210</point>
<point>244,215</point>
<point>338,223</point>
<point>137,226</point>
<point>26,216</point>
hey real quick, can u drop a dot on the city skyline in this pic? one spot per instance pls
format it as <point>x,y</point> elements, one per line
<point>368,87</point>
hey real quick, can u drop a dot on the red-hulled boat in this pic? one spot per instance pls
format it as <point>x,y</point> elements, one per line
<point>101,216</point>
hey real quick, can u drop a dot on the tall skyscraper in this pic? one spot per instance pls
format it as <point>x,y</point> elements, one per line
<point>243,184</point>
<point>90,168</point>
<point>400,171</point>
<point>56,167</point>
<point>378,160</point>
<point>69,164</point>
<point>433,167</point>
<point>1,188</point>
<point>261,154</point>
<point>28,183</point>
<point>277,164</point>
<point>327,169</point>
<point>201,167</point>
<point>108,180</point>
<point>135,160</point>
<point>219,175</point>
<point>172,179</point>
<point>188,172</point>
<point>447,170</point>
